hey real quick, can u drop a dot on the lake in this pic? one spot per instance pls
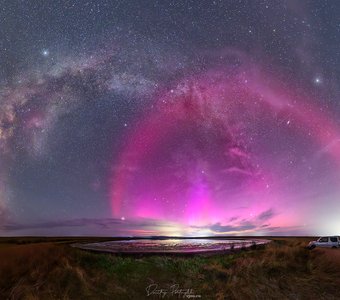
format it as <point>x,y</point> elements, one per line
<point>197,245</point>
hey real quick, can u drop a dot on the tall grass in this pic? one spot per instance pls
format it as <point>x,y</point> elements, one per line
<point>284,269</point>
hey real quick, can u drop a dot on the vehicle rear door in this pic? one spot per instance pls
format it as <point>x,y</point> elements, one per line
<point>334,241</point>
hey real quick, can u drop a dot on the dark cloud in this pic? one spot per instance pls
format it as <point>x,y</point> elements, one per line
<point>105,225</point>
<point>229,228</point>
<point>3,215</point>
<point>266,215</point>
<point>244,227</point>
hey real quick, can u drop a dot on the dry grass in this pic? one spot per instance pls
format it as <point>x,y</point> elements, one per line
<point>283,269</point>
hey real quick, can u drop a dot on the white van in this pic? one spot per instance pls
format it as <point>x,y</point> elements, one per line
<point>325,242</point>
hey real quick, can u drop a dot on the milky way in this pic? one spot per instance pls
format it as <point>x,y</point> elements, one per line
<point>192,118</point>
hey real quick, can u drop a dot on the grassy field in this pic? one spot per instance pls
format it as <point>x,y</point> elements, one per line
<point>51,269</point>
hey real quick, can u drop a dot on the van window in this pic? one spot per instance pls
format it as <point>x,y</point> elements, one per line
<point>334,239</point>
<point>324,240</point>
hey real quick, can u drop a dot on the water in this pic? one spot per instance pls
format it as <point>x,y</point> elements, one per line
<point>171,245</point>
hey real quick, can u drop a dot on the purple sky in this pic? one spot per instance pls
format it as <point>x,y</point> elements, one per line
<point>169,118</point>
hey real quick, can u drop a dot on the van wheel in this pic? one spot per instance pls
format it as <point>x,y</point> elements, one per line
<point>334,247</point>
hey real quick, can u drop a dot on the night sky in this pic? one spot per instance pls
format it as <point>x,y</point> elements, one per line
<point>129,118</point>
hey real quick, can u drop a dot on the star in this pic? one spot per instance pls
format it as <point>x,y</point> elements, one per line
<point>45,52</point>
<point>317,80</point>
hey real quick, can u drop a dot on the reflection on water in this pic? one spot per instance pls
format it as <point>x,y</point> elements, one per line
<point>171,245</point>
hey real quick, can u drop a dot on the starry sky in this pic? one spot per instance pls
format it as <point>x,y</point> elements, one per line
<point>186,118</point>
